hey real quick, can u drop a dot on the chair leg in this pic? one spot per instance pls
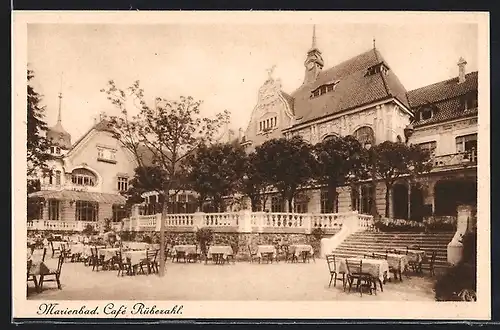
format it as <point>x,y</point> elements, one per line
<point>331,278</point>
<point>40,284</point>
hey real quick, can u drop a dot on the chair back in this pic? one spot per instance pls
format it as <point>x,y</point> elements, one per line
<point>151,255</point>
<point>354,267</point>
<point>433,258</point>
<point>250,250</point>
<point>330,260</point>
<point>60,263</point>
<point>52,245</point>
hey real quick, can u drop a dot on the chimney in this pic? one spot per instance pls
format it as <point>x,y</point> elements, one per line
<point>461,70</point>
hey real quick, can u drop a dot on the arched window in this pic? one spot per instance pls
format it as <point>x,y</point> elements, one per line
<point>83,177</point>
<point>329,137</point>
<point>365,135</point>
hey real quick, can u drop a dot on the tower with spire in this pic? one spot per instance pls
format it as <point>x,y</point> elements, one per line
<point>314,61</point>
<point>58,136</point>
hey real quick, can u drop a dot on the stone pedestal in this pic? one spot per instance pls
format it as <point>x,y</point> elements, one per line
<point>455,247</point>
<point>245,221</point>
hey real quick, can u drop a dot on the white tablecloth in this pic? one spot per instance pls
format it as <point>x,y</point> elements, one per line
<point>58,244</point>
<point>77,248</point>
<point>297,249</point>
<point>187,249</point>
<point>266,249</point>
<point>225,250</point>
<point>136,245</point>
<point>135,256</point>
<point>413,255</point>
<point>377,268</point>
<point>108,253</point>
<point>397,261</point>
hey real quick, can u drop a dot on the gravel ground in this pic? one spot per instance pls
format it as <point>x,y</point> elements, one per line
<point>240,281</point>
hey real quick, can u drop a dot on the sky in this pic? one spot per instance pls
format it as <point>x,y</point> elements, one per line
<point>222,64</point>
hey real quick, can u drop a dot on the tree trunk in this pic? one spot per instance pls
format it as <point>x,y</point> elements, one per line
<point>388,188</point>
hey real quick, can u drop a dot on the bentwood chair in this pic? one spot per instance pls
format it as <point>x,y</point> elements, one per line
<point>252,254</point>
<point>54,273</point>
<point>363,280</point>
<point>430,264</point>
<point>332,267</point>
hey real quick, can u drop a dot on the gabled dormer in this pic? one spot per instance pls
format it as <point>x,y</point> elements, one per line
<point>425,112</point>
<point>377,68</point>
<point>324,88</point>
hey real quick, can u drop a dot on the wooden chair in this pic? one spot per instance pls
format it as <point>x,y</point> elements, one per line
<point>30,277</point>
<point>95,260</point>
<point>283,252</point>
<point>429,265</point>
<point>153,261</point>
<point>58,250</point>
<point>56,273</point>
<point>253,254</point>
<point>363,280</point>
<point>332,267</point>
<point>306,256</point>
<point>123,266</point>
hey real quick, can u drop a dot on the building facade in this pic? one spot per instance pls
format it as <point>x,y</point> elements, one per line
<point>363,97</point>
<point>86,179</point>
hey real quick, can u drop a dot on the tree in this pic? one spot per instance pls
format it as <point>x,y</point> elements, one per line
<point>216,171</point>
<point>163,134</point>
<point>255,184</point>
<point>147,178</point>
<point>393,160</point>
<point>37,144</point>
<point>340,160</point>
<point>288,164</point>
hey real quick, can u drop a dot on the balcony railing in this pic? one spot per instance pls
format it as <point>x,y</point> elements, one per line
<point>466,158</point>
<point>59,225</point>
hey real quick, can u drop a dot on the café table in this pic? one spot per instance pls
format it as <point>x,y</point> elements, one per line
<point>135,256</point>
<point>219,253</point>
<point>377,268</point>
<point>107,253</point>
<point>266,251</point>
<point>296,250</point>
<point>398,262</point>
<point>183,251</point>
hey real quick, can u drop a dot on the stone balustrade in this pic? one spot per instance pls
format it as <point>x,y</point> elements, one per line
<point>58,225</point>
<point>246,221</point>
<point>241,222</point>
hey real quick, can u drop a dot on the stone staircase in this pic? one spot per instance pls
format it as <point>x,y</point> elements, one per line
<point>367,242</point>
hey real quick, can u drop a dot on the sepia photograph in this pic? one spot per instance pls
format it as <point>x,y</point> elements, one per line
<point>243,158</point>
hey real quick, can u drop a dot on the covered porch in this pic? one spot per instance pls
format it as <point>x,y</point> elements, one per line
<point>69,210</point>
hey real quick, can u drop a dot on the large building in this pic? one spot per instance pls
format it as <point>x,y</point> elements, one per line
<point>85,181</point>
<point>363,97</point>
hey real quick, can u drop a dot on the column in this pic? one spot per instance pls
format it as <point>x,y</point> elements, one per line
<point>245,221</point>
<point>409,200</point>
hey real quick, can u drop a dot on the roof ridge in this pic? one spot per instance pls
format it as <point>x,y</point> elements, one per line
<point>441,82</point>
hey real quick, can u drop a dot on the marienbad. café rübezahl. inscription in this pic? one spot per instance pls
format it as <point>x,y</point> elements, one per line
<point>109,309</point>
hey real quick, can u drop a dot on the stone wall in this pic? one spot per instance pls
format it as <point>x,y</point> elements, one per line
<point>238,241</point>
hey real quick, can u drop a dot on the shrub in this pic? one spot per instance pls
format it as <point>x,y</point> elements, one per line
<point>147,239</point>
<point>89,230</point>
<point>204,237</point>
<point>317,233</point>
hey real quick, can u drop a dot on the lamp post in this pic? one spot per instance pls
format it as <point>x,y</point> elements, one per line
<point>373,207</point>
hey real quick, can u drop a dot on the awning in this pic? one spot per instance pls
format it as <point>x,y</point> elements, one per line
<point>80,196</point>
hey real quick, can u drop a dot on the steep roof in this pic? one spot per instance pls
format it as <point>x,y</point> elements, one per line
<point>104,125</point>
<point>445,96</point>
<point>354,88</point>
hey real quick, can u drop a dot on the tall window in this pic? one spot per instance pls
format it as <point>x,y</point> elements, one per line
<point>53,209</point>
<point>429,146</point>
<point>276,204</point>
<point>122,183</point>
<point>300,204</point>
<point>328,204</point>
<point>86,211</point>
<point>58,178</point>
<point>83,177</point>
<point>119,212</point>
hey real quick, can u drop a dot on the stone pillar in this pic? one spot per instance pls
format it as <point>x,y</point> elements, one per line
<point>455,247</point>
<point>198,220</point>
<point>245,221</point>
